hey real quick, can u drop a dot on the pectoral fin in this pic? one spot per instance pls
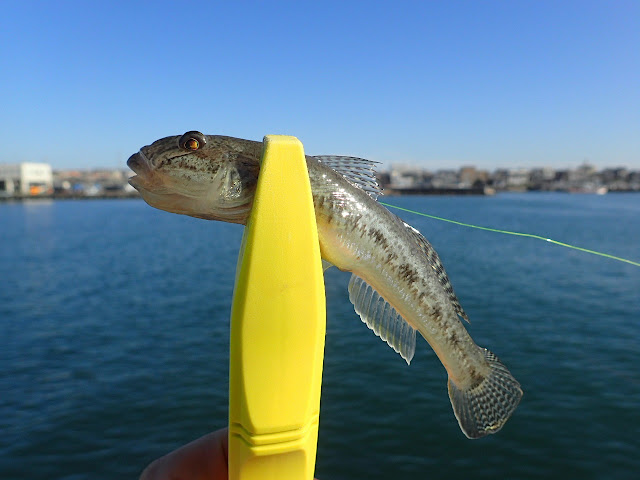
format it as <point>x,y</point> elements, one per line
<point>382,318</point>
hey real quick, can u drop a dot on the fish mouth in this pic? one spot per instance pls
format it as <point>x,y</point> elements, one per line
<point>139,164</point>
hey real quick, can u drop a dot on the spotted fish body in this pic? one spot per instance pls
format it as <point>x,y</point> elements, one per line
<point>399,285</point>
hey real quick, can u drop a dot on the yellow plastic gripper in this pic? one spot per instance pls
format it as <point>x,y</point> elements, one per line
<point>278,323</point>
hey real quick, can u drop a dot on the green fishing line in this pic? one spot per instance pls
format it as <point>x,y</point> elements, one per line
<point>518,234</point>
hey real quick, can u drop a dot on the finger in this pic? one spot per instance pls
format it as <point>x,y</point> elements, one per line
<point>202,459</point>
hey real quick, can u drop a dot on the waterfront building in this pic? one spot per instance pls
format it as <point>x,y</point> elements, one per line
<point>24,179</point>
<point>470,176</point>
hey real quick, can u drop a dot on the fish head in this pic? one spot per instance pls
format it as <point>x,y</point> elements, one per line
<point>204,176</point>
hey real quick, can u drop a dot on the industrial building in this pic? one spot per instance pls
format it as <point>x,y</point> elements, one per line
<point>25,179</point>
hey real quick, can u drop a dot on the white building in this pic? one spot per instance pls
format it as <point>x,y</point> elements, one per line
<point>25,179</point>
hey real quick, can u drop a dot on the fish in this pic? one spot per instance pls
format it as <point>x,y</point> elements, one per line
<point>398,284</point>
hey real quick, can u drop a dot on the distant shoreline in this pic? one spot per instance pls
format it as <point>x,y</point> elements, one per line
<point>387,192</point>
<point>104,196</point>
<point>394,192</point>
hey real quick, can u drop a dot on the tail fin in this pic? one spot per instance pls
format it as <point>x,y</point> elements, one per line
<point>485,408</point>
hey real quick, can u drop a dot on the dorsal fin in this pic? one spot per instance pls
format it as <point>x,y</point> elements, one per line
<point>360,172</point>
<point>436,264</point>
<point>382,318</point>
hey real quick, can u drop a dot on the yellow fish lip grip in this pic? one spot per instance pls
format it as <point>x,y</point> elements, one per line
<point>278,324</point>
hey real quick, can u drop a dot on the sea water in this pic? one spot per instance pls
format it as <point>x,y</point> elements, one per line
<point>114,323</point>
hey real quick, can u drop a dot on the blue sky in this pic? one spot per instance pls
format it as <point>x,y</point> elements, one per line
<point>439,84</point>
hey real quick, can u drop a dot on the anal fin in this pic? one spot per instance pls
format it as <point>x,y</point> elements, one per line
<point>382,318</point>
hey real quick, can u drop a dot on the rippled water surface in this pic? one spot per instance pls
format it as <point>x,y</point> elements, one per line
<point>114,321</point>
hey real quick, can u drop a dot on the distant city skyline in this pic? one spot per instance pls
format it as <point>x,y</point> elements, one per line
<point>382,166</point>
<point>386,168</point>
<point>435,84</point>
<point>120,164</point>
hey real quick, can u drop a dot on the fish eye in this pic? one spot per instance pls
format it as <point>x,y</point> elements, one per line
<point>192,141</point>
